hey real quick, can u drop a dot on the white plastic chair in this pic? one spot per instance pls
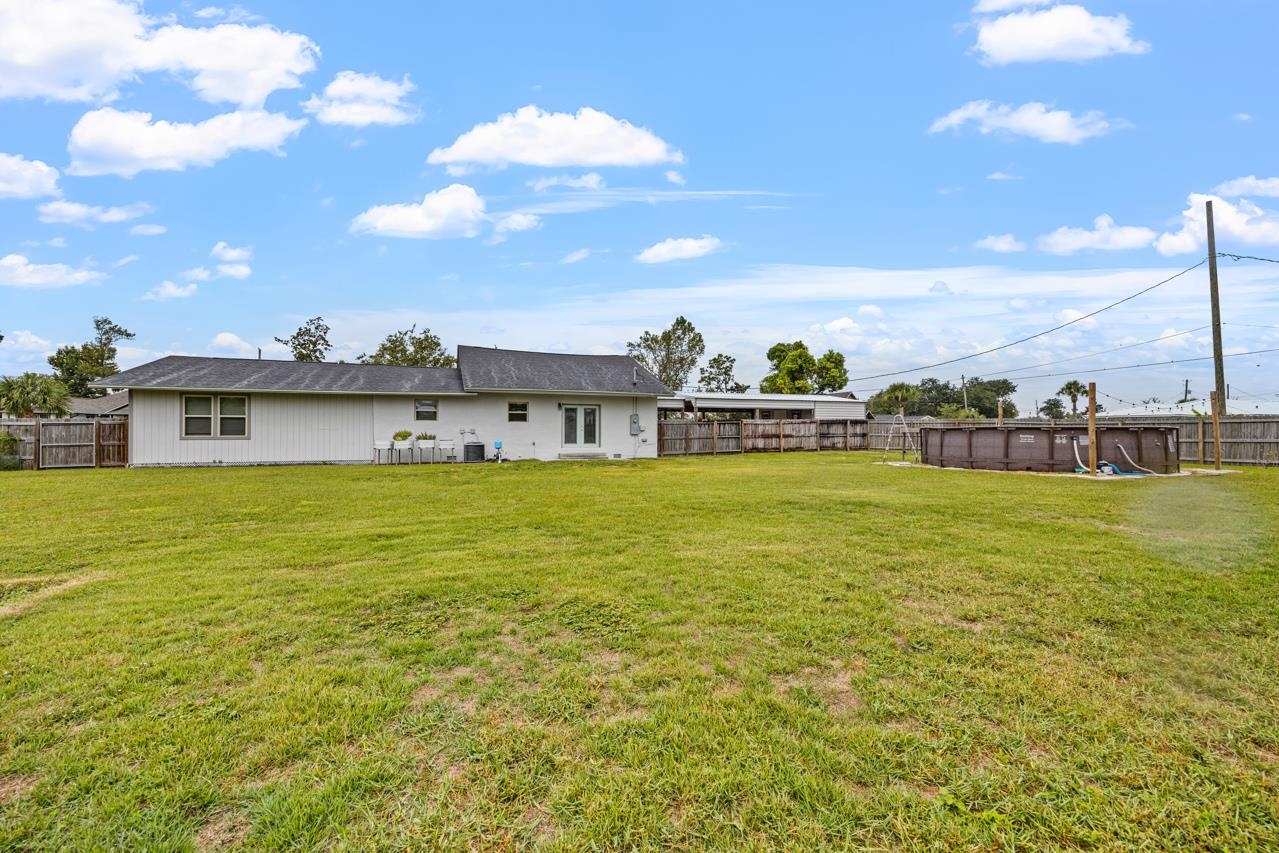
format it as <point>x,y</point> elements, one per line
<point>380,447</point>
<point>448,449</point>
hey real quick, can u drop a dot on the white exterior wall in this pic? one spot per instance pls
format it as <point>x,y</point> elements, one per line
<point>840,410</point>
<point>301,428</point>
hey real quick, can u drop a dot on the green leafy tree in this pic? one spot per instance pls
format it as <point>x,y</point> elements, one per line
<point>1074,389</point>
<point>717,376</point>
<point>34,394</point>
<point>1053,408</point>
<point>985,395</point>
<point>894,399</point>
<point>76,366</point>
<point>410,347</point>
<point>957,412</point>
<point>672,354</point>
<point>796,371</point>
<point>793,370</point>
<point>310,342</point>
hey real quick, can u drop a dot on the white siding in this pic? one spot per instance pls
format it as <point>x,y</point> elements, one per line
<point>839,410</point>
<point>287,428</point>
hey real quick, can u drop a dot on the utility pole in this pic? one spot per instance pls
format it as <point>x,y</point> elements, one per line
<point>963,383</point>
<point>1218,361</point>
<point>1092,428</point>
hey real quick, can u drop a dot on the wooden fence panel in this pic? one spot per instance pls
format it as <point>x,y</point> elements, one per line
<point>710,437</point>
<point>70,443</point>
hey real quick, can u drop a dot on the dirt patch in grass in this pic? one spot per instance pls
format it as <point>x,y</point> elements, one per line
<point>21,604</point>
<point>832,683</point>
<point>12,787</point>
<point>222,831</point>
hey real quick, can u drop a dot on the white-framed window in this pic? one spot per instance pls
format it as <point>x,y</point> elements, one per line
<point>517,413</point>
<point>215,416</point>
<point>426,410</point>
<point>581,426</point>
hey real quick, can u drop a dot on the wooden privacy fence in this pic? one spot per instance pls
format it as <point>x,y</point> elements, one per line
<point>1245,439</point>
<point>680,437</point>
<point>70,443</point>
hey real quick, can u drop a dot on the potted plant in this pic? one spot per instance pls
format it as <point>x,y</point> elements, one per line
<point>401,441</point>
<point>425,441</point>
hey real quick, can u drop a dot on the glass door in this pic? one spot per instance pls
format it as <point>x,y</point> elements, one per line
<point>581,426</point>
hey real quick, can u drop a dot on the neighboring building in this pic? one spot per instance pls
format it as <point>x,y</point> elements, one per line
<point>110,406</point>
<point>777,407</point>
<point>187,410</point>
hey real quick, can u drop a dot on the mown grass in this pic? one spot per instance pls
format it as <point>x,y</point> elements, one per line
<point>766,652</point>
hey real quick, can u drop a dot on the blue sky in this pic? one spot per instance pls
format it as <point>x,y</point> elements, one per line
<point>906,183</point>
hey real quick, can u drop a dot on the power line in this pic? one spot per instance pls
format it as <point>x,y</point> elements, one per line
<point>1092,354</point>
<point>1235,257</point>
<point>1037,334</point>
<point>1250,326</point>
<point>1148,364</point>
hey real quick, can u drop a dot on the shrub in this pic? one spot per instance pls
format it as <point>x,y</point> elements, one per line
<point>9,460</point>
<point>402,435</point>
<point>425,436</point>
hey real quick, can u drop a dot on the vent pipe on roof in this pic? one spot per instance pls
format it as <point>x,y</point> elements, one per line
<point>259,353</point>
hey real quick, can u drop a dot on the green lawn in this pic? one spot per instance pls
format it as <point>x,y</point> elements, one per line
<point>800,651</point>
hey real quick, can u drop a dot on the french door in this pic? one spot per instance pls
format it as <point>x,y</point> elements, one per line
<point>581,426</point>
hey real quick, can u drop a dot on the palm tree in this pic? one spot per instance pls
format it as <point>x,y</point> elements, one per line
<point>1074,389</point>
<point>34,393</point>
<point>901,393</point>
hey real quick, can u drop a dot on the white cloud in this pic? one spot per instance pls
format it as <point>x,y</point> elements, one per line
<point>576,256</point>
<point>232,343</point>
<point>1242,117</point>
<point>1250,186</point>
<point>358,100</point>
<point>455,211</point>
<point>83,50</point>
<point>223,251</point>
<point>17,271</point>
<point>1035,120</point>
<point>1002,243</point>
<point>678,249</point>
<point>57,242</point>
<point>533,137</point>
<point>197,274</point>
<point>518,222</point>
<point>1067,32</point>
<point>126,260</point>
<point>869,311</point>
<point>238,271</point>
<point>23,178</point>
<point>236,14</point>
<point>26,341</point>
<point>1071,315</point>
<point>167,290</point>
<point>75,213</point>
<point>675,178</point>
<point>148,230</point>
<point>111,142</point>
<point>589,181</point>
<point>1244,223</point>
<point>1002,176</point>
<point>1105,236</point>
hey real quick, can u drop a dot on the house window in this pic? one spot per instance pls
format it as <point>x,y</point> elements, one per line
<point>581,426</point>
<point>426,410</point>
<point>517,413</point>
<point>211,416</point>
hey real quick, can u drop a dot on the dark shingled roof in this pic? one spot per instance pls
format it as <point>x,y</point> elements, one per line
<point>111,404</point>
<point>194,373</point>
<point>486,369</point>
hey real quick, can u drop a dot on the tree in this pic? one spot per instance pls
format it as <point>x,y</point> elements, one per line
<point>985,395</point>
<point>895,396</point>
<point>77,366</point>
<point>717,376</point>
<point>34,394</point>
<point>410,347</point>
<point>796,371</point>
<point>672,354</point>
<point>310,342</point>
<point>1074,389</point>
<point>1053,408</point>
<point>957,412</point>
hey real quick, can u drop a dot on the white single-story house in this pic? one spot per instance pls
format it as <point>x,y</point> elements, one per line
<point>188,410</point>
<point>777,407</point>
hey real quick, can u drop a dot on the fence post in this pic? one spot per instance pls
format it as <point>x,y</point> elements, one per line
<point>35,445</point>
<point>781,436</point>
<point>715,437</point>
<point>1201,440</point>
<point>97,443</point>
